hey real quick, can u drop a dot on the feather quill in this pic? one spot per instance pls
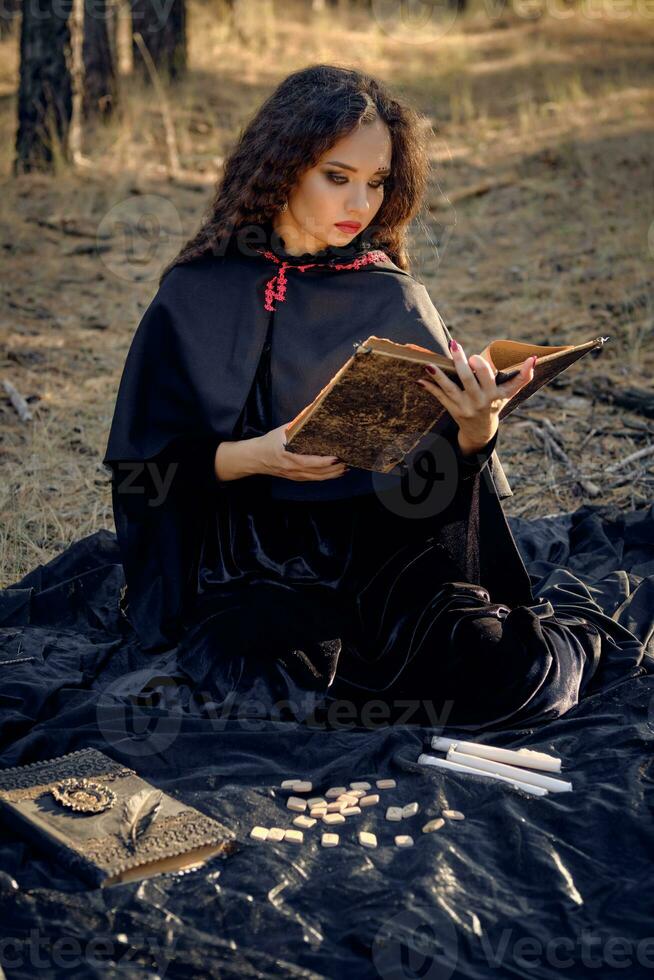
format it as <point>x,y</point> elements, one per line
<point>139,812</point>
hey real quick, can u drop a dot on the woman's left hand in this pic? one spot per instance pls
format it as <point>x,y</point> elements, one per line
<point>476,408</point>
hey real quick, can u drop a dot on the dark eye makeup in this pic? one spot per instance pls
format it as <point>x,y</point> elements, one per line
<point>331,174</point>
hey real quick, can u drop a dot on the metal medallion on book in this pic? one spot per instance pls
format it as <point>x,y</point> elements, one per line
<point>83,795</point>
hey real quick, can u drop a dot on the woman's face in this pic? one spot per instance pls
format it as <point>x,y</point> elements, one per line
<point>346,185</point>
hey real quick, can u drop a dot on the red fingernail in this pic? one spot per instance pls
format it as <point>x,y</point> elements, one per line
<point>453,344</point>
<point>431,369</point>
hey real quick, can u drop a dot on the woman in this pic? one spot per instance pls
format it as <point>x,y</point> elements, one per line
<point>259,563</point>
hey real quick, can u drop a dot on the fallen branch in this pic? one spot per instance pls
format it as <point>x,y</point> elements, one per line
<point>602,389</point>
<point>476,190</point>
<point>546,432</point>
<point>91,249</point>
<point>18,402</point>
<point>639,454</point>
<point>69,226</point>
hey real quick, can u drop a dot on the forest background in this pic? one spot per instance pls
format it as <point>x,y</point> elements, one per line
<point>538,224</point>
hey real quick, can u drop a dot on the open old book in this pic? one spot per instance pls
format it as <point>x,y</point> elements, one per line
<point>371,413</point>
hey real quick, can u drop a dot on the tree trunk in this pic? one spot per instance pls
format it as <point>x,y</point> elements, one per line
<point>100,85</point>
<point>162,26</point>
<point>8,16</point>
<point>113,7</point>
<point>45,88</point>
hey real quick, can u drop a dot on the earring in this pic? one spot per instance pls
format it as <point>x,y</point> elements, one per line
<point>284,206</point>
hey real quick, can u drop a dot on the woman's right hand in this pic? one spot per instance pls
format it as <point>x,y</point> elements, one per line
<point>266,455</point>
<point>274,460</point>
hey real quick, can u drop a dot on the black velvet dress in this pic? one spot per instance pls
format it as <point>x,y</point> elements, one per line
<point>346,599</point>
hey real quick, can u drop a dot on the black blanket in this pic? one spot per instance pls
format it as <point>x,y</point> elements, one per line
<point>523,887</point>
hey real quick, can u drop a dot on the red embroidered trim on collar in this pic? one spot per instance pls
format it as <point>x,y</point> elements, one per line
<point>276,287</point>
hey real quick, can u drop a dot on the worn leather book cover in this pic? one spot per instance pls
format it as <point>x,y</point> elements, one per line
<point>104,822</point>
<point>371,413</point>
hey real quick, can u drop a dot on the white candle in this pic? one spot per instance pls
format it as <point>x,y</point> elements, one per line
<point>433,760</point>
<point>520,757</point>
<point>524,775</point>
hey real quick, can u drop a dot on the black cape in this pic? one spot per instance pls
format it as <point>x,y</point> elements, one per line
<point>185,383</point>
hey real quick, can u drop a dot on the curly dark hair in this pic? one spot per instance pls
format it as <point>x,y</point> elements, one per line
<point>309,111</point>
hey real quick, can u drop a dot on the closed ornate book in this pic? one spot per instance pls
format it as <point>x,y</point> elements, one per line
<point>371,413</point>
<point>104,822</point>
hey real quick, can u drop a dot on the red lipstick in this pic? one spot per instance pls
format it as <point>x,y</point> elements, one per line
<point>350,226</point>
